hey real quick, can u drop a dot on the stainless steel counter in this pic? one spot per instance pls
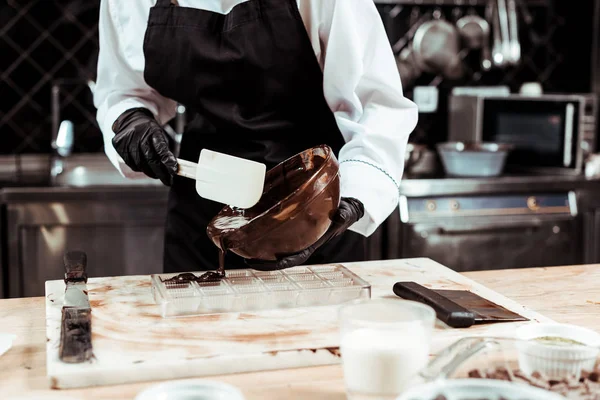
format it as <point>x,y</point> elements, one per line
<point>419,187</point>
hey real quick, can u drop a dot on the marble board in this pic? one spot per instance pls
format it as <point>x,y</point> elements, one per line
<point>133,343</point>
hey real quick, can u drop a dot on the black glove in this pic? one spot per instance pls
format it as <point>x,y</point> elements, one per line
<point>349,212</point>
<point>143,145</point>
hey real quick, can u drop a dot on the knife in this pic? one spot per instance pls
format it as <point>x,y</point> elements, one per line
<point>76,321</point>
<point>457,308</point>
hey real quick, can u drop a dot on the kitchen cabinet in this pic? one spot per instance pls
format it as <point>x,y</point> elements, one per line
<point>120,237</point>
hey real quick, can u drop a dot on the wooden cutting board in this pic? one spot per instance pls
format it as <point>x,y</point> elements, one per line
<point>133,343</point>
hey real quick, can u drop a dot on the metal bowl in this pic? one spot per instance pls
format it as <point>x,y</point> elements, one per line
<point>473,159</point>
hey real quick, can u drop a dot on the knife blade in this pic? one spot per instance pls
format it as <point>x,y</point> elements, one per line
<point>76,321</point>
<point>457,308</point>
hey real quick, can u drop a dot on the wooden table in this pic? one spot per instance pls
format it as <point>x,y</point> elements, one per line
<point>565,294</point>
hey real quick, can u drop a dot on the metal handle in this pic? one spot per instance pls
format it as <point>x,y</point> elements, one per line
<point>483,230</point>
<point>63,143</point>
<point>497,54</point>
<point>75,266</point>
<point>569,120</point>
<point>449,360</point>
<point>515,46</point>
<point>504,29</point>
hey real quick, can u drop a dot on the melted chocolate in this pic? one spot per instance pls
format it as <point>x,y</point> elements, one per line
<point>187,277</point>
<point>293,212</point>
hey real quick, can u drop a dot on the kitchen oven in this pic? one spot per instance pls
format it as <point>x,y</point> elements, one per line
<point>552,133</point>
<point>473,233</point>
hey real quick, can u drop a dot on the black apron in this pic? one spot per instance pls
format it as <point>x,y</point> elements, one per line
<point>255,89</point>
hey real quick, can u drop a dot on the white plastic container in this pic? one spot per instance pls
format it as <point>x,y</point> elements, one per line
<point>557,361</point>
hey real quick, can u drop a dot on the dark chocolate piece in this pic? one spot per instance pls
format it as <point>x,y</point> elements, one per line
<point>187,277</point>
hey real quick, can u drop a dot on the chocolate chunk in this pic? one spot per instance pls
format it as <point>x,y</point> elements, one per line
<point>594,376</point>
<point>476,373</point>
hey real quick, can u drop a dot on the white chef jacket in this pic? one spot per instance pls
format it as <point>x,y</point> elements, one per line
<point>361,85</point>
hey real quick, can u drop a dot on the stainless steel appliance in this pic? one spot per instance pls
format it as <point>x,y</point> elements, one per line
<point>551,133</point>
<point>471,233</point>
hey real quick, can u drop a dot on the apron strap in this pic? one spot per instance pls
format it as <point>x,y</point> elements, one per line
<point>166,3</point>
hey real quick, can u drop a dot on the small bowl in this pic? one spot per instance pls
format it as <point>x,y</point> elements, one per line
<point>301,194</point>
<point>473,159</point>
<point>477,389</point>
<point>194,389</point>
<point>557,361</point>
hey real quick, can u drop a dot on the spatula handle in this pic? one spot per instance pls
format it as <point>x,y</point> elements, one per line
<point>187,169</point>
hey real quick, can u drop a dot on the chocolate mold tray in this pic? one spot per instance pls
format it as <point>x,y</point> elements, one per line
<point>248,289</point>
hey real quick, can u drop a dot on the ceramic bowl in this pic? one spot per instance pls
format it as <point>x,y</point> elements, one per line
<point>294,211</point>
<point>557,361</point>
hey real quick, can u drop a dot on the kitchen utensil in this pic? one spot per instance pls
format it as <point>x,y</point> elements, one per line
<point>477,389</point>
<point>473,159</point>
<point>225,179</point>
<point>414,154</point>
<point>497,47</point>
<point>244,290</point>
<point>191,390</point>
<point>503,22</point>
<point>436,48</point>
<point>513,23</point>
<point>76,323</point>
<point>407,67</point>
<point>294,212</point>
<point>557,361</point>
<point>476,32</point>
<point>384,343</point>
<point>457,308</point>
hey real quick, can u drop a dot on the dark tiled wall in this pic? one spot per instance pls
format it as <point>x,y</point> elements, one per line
<point>45,43</point>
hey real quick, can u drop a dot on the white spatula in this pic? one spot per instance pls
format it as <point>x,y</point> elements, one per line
<point>226,179</point>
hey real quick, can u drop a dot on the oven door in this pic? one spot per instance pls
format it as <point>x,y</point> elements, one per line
<point>475,245</point>
<point>545,131</point>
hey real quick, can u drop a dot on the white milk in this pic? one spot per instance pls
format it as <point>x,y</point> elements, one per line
<point>380,362</point>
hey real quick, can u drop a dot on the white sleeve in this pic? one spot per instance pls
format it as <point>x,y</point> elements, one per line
<point>120,84</point>
<point>362,87</point>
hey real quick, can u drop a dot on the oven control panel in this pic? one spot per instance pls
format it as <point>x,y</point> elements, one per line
<point>481,206</point>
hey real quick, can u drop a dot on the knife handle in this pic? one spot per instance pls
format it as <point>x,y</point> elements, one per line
<point>75,266</point>
<point>452,314</point>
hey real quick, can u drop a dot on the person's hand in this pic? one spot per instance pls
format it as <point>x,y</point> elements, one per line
<point>143,145</point>
<point>349,211</point>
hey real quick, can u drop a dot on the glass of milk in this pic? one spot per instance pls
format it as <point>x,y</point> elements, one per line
<point>384,343</point>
